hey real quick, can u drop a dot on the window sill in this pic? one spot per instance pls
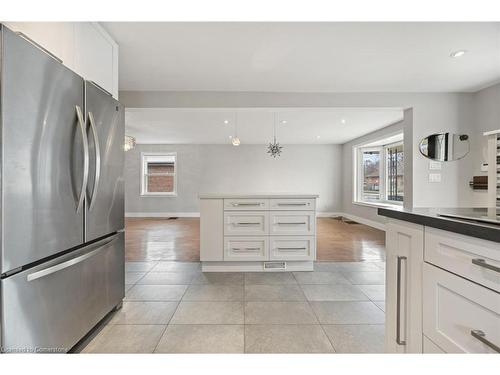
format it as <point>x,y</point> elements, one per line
<point>150,195</point>
<point>376,205</point>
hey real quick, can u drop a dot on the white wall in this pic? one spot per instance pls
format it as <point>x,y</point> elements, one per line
<point>432,112</point>
<point>247,168</point>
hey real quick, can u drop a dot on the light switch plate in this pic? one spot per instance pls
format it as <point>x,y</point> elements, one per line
<point>434,165</point>
<point>434,177</point>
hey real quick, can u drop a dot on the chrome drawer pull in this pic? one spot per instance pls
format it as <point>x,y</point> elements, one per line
<point>238,249</point>
<point>398,302</point>
<point>246,223</point>
<point>293,204</point>
<point>292,223</point>
<point>481,336</point>
<point>482,263</point>
<point>291,248</point>
<point>246,204</point>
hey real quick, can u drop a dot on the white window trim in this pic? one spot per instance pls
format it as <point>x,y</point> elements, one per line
<point>144,192</point>
<point>357,176</point>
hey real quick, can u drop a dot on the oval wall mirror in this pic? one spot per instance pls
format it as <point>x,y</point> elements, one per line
<point>445,146</point>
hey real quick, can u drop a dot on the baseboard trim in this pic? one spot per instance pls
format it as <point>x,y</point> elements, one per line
<point>162,214</point>
<point>328,214</point>
<point>364,221</point>
<point>358,219</point>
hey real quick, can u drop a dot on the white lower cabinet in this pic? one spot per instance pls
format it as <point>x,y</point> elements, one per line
<point>246,248</point>
<point>430,347</point>
<point>292,248</point>
<point>460,316</point>
<point>261,233</point>
<point>404,258</point>
<point>444,301</point>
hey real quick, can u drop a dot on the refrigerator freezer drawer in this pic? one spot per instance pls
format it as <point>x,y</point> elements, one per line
<point>49,308</point>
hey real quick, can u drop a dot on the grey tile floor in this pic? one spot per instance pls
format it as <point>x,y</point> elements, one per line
<point>172,307</point>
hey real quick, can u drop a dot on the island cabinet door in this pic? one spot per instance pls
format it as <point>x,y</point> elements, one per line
<point>403,313</point>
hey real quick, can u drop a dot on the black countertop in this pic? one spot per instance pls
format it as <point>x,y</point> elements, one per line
<point>475,222</point>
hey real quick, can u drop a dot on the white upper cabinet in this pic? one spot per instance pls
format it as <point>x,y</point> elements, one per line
<point>56,37</point>
<point>84,47</point>
<point>96,56</point>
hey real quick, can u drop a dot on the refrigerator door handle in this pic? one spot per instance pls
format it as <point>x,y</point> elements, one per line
<point>71,262</point>
<point>97,160</point>
<point>81,123</point>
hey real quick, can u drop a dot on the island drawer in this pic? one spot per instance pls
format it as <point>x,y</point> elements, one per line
<point>292,223</point>
<point>292,248</point>
<point>246,204</point>
<point>246,248</point>
<point>294,204</point>
<point>475,259</point>
<point>459,315</point>
<point>245,223</point>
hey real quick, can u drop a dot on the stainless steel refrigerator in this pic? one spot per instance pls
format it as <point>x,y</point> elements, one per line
<point>62,201</point>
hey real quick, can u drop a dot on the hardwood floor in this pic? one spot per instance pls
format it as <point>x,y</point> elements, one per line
<point>162,239</point>
<point>153,239</point>
<point>339,241</point>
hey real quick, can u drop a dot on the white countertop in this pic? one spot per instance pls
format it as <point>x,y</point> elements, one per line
<point>255,195</point>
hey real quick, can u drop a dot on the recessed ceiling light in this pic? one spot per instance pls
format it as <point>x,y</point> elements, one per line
<point>318,136</point>
<point>458,53</point>
<point>343,121</point>
<point>283,121</point>
<point>226,121</point>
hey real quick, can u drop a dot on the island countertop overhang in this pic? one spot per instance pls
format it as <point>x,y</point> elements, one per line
<point>429,217</point>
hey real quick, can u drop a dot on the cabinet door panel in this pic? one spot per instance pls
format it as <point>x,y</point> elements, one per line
<point>294,204</point>
<point>404,257</point>
<point>56,37</point>
<point>475,259</point>
<point>246,204</point>
<point>246,248</point>
<point>95,55</point>
<point>246,223</point>
<point>292,248</point>
<point>292,223</point>
<point>455,308</point>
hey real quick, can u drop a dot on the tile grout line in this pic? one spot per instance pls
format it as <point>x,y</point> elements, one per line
<point>244,313</point>
<point>315,315</point>
<point>166,326</point>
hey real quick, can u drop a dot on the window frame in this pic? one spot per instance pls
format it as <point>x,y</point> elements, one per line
<point>386,168</point>
<point>359,174</point>
<point>144,161</point>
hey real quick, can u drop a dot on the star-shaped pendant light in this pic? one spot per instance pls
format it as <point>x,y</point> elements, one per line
<point>274,148</point>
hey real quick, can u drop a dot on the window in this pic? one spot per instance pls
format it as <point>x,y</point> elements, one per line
<point>380,172</point>
<point>159,174</point>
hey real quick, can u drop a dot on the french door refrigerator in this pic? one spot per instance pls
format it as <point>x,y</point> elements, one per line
<point>62,202</point>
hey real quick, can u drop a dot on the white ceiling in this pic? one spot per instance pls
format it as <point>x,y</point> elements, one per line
<point>255,126</point>
<point>307,57</point>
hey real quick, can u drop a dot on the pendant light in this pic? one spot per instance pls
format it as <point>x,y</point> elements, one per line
<point>235,140</point>
<point>274,148</point>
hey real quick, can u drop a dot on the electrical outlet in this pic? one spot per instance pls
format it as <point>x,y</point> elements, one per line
<point>434,165</point>
<point>434,177</point>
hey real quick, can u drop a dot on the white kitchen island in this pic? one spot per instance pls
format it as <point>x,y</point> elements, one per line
<point>257,232</point>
